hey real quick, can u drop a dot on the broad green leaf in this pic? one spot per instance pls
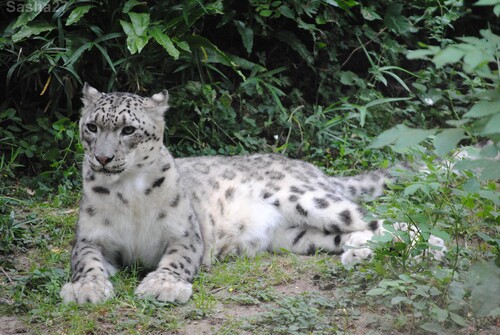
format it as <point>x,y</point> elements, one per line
<point>484,108</point>
<point>432,97</point>
<point>482,280</point>
<point>369,14</point>
<point>34,29</point>
<point>458,319</point>
<point>470,42</point>
<point>490,168</point>
<point>129,5</point>
<point>422,53</point>
<point>183,45</point>
<point>344,4</point>
<point>76,14</point>
<point>140,22</point>
<point>493,126</point>
<point>409,190</point>
<point>134,43</point>
<point>447,140</point>
<point>412,138</point>
<point>441,234</point>
<point>127,28</point>
<point>388,137</point>
<point>296,44</point>
<point>246,34</point>
<point>472,185</point>
<point>421,88</point>
<point>164,41</point>
<point>399,24</point>
<point>401,137</point>
<point>434,291</point>
<point>432,327</point>
<point>491,171</point>
<point>29,10</point>
<point>362,115</point>
<point>473,58</point>
<point>490,151</point>
<point>394,20</point>
<point>447,56</point>
<point>287,12</point>
<point>458,123</point>
<point>439,314</point>
<point>382,238</point>
<point>406,278</point>
<point>495,198</point>
<point>456,290</point>
<point>486,2</point>
<point>485,237</point>
<point>246,64</point>
<point>266,13</point>
<point>398,300</point>
<point>349,78</point>
<point>376,291</point>
<point>226,101</point>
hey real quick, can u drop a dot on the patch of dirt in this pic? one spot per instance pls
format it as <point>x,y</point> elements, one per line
<point>201,327</point>
<point>10,325</point>
<point>227,312</point>
<point>298,286</point>
<point>221,315</point>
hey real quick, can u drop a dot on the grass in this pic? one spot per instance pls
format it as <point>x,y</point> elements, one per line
<point>270,294</point>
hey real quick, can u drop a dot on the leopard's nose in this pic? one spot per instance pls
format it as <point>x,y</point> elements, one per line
<point>104,159</point>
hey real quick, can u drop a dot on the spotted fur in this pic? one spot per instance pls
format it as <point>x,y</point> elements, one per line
<point>173,215</point>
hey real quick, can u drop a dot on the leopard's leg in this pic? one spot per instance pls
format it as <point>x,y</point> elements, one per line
<point>323,210</point>
<point>90,273</point>
<point>306,240</point>
<point>181,260</point>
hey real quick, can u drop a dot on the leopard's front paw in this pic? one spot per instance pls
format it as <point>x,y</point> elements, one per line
<point>354,256</point>
<point>90,289</point>
<point>164,287</point>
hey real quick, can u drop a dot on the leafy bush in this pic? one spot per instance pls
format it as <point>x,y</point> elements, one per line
<point>241,73</point>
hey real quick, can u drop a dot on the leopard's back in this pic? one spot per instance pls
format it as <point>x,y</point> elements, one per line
<point>248,204</point>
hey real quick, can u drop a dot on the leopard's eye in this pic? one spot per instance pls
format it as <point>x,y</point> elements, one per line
<point>92,127</point>
<point>128,130</point>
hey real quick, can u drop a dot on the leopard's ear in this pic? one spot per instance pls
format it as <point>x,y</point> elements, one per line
<point>158,103</point>
<point>90,94</point>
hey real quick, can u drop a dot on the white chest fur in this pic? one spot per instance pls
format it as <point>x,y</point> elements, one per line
<point>128,218</point>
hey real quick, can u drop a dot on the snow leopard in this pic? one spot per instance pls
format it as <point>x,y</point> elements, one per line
<point>141,205</point>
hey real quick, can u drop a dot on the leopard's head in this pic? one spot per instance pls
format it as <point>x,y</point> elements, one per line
<point>121,131</point>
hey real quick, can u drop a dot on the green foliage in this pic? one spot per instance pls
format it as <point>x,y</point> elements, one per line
<point>316,80</point>
<point>14,232</point>
<point>452,205</point>
<point>296,315</point>
<point>233,90</point>
<point>475,107</point>
<point>444,299</point>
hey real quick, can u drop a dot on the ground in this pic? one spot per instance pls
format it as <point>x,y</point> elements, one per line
<point>292,297</point>
<point>270,294</point>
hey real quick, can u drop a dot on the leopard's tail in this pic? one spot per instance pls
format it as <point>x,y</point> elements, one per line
<point>367,186</point>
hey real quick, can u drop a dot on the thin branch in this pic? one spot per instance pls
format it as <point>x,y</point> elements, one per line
<point>360,47</point>
<point>6,275</point>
